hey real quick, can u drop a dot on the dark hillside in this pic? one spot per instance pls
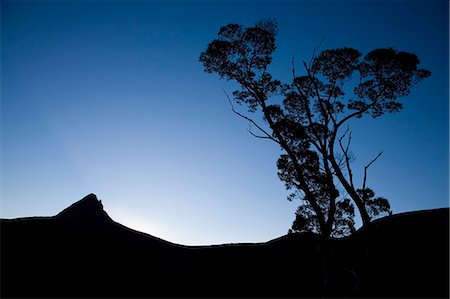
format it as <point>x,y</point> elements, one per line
<point>410,253</point>
<point>81,252</point>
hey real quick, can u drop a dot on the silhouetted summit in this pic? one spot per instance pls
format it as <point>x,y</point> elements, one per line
<point>88,209</point>
<point>81,252</point>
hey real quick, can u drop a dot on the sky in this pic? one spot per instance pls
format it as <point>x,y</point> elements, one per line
<point>108,97</point>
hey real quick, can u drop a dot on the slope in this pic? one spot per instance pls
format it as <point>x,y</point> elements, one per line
<point>82,252</point>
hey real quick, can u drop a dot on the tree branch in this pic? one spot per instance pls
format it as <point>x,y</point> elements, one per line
<point>346,155</point>
<point>309,196</point>
<point>332,117</point>
<point>258,136</point>
<point>365,171</point>
<point>315,49</point>
<point>359,112</point>
<point>322,143</point>
<point>251,121</point>
<point>318,145</point>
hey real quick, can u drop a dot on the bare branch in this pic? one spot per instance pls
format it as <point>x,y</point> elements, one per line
<point>316,48</point>
<point>251,121</point>
<point>323,110</point>
<point>340,161</point>
<point>365,171</point>
<point>347,155</point>
<point>343,135</point>
<point>257,136</point>
<point>349,140</point>
<point>379,154</point>
<point>293,67</point>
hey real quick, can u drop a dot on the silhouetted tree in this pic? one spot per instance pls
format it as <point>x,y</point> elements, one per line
<point>306,116</point>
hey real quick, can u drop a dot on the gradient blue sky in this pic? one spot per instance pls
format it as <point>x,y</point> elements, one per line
<point>109,98</point>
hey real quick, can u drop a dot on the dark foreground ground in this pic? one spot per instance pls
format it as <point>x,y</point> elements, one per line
<point>81,252</point>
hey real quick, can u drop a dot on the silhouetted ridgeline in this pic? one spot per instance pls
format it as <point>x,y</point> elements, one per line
<point>81,252</point>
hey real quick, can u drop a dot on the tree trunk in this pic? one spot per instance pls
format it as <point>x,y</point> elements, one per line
<point>350,190</point>
<point>298,168</point>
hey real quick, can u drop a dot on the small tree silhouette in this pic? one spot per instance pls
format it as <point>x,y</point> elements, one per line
<point>306,116</point>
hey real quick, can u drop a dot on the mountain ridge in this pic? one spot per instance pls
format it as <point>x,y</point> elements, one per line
<point>82,252</point>
<point>88,209</point>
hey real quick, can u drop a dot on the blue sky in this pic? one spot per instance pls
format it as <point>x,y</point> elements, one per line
<point>109,98</point>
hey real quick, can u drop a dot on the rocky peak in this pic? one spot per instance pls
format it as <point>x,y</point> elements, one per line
<point>88,209</point>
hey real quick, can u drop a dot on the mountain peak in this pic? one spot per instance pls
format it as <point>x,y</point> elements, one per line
<point>88,209</point>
